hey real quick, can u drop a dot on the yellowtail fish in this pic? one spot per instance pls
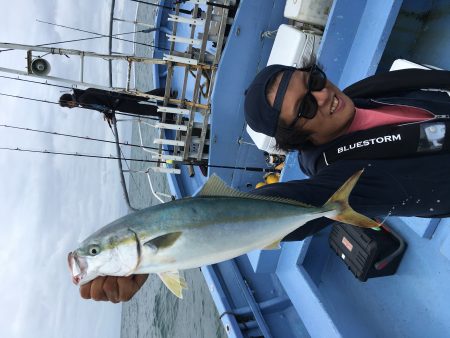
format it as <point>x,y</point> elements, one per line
<point>216,225</point>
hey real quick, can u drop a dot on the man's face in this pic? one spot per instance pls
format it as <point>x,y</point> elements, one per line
<point>335,110</point>
<point>72,104</point>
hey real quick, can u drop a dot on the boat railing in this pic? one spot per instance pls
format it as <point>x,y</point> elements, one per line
<point>186,133</point>
<point>189,137</point>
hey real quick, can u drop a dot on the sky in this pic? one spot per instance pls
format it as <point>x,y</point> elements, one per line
<point>49,203</point>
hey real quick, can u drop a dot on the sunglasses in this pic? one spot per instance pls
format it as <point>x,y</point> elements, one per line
<point>308,107</point>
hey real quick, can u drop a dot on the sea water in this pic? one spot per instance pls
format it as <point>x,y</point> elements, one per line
<point>154,311</point>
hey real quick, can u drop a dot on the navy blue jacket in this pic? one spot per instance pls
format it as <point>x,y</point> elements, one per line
<point>414,186</point>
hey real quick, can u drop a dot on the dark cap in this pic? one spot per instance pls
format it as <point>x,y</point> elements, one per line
<point>259,114</point>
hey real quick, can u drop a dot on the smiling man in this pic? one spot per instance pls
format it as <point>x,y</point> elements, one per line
<point>390,124</point>
<point>327,112</point>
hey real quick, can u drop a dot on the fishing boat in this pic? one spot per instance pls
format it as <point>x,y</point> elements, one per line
<point>304,289</point>
<point>206,54</point>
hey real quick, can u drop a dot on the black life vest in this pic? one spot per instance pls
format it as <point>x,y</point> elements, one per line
<point>401,87</point>
<point>397,141</point>
<point>391,141</point>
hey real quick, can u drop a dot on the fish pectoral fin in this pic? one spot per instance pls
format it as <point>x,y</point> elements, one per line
<point>164,241</point>
<point>174,282</point>
<point>274,246</point>
<point>345,213</point>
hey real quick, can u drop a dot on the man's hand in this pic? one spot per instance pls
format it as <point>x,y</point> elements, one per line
<point>109,117</point>
<point>113,289</point>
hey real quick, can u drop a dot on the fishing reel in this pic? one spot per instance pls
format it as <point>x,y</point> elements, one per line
<point>274,159</point>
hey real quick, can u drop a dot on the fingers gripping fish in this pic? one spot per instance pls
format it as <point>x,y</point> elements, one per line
<point>218,224</point>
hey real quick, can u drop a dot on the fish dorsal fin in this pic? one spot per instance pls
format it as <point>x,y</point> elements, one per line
<point>216,187</point>
<point>163,241</point>
<point>174,282</point>
<point>274,246</point>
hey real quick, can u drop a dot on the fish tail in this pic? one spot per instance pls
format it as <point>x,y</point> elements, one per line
<point>339,202</point>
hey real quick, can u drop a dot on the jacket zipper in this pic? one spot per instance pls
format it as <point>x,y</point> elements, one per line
<point>434,116</point>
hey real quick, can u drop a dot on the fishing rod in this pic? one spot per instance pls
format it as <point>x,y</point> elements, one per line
<point>184,11</point>
<point>85,106</point>
<point>76,136</point>
<point>110,157</point>
<point>115,132</point>
<point>207,2</point>
<point>38,82</point>
<point>114,36</point>
<point>28,98</point>
<point>148,30</point>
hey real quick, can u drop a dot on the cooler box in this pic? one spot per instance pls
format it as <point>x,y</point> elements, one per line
<point>366,252</point>
<point>309,11</point>
<point>292,45</point>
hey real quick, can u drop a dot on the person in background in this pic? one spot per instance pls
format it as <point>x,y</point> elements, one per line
<point>108,102</point>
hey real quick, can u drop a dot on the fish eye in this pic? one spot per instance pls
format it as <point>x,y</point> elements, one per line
<point>94,250</point>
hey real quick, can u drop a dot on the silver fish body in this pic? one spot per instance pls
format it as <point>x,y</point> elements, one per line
<point>214,229</point>
<point>217,225</point>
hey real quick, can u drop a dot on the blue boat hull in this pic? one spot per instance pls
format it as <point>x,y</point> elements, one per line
<point>305,289</point>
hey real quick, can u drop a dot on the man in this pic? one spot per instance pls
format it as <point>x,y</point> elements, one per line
<point>383,124</point>
<point>107,102</point>
<point>389,124</point>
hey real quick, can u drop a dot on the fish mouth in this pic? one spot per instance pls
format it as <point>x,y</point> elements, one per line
<point>77,267</point>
